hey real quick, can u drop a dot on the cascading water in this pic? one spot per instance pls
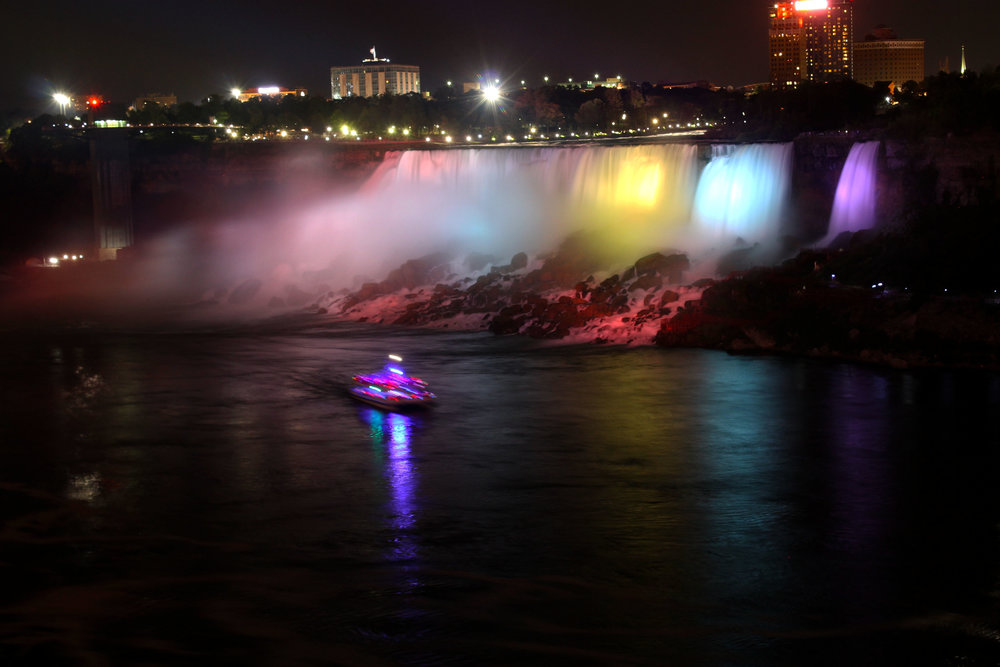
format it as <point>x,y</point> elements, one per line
<point>632,199</point>
<point>854,202</point>
<point>628,201</point>
<point>742,193</point>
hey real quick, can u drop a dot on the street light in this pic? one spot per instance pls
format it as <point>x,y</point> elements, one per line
<point>63,101</point>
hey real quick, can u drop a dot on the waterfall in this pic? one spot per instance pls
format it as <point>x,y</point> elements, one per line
<point>624,200</point>
<point>742,193</point>
<point>631,199</point>
<point>854,202</point>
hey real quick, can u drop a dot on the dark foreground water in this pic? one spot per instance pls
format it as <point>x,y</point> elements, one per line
<point>215,498</point>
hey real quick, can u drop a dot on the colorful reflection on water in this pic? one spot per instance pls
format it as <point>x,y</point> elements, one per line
<point>391,434</point>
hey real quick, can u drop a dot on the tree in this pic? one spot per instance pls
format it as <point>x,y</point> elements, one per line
<point>592,115</point>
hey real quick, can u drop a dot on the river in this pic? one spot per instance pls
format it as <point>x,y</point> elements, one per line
<point>189,496</point>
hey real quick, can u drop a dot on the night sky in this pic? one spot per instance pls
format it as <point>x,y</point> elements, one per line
<point>126,49</point>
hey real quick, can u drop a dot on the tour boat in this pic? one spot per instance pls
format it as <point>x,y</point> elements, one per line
<point>391,387</point>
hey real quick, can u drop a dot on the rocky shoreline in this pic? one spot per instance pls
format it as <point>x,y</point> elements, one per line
<point>798,308</point>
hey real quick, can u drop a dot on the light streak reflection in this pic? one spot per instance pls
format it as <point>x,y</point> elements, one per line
<point>391,434</point>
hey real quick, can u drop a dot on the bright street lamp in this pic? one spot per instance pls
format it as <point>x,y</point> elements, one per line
<point>63,101</point>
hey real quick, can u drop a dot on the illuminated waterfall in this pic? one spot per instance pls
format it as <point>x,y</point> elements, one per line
<point>742,193</point>
<point>632,199</point>
<point>626,200</point>
<point>854,202</point>
<point>504,200</point>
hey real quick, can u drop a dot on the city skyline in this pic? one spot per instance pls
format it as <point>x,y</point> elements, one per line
<point>122,50</point>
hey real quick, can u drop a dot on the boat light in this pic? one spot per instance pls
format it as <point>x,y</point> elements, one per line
<point>395,357</point>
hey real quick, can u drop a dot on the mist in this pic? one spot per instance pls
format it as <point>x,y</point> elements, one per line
<point>494,201</point>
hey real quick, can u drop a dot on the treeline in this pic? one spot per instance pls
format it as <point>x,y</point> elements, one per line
<point>549,109</point>
<point>941,104</point>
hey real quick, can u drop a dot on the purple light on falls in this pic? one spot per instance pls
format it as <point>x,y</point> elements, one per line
<point>854,202</point>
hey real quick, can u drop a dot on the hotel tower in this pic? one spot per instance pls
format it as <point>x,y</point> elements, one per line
<point>811,40</point>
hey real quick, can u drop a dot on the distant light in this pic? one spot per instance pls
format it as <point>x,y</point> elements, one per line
<point>491,93</point>
<point>810,5</point>
<point>53,260</point>
<point>395,357</point>
<point>268,90</point>
<point>235,92</point>
<point>448,139</point>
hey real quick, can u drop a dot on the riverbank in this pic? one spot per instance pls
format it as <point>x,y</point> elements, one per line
<point>881,299</point>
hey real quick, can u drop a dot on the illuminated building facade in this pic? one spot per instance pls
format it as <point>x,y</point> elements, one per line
<point>374,76</point>
<point>811,40</point>
<point>882,57</point>
<point>156,98</point>
<point>268,91</point>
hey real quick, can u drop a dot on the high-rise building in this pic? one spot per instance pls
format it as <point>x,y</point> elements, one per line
<point>374,76</point>
<point>811,40</point>
<point>883,57</point>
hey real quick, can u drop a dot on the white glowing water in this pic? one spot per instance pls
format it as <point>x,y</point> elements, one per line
<point>742,193</point>
<point>854,202</point>
<point>642,198</point>
<point>500,201</point>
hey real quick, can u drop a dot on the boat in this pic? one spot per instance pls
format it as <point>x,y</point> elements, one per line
<point>391,387</point>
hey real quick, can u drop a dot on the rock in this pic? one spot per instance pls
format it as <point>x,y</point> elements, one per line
<point>671,268</point>
<point>668,296</point>
<point>647,281</point>
<point>245,292</point>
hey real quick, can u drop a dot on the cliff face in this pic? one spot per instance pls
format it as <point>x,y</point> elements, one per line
<point>159,169</point>
<point>954,170</point>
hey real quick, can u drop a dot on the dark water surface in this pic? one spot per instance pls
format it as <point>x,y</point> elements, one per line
<point>215,498</point>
